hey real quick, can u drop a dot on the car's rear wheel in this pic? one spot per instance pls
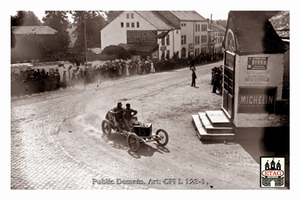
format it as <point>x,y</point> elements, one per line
<point>106,127</point>
<point>133,142</point>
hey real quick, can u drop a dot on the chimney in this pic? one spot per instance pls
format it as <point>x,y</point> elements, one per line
<point>210,21</point>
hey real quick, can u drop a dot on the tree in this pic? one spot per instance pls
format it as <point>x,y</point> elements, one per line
<point>58,20</point>
<point>111,15</point>
<point>25,18</point>
<point>115,52</point>
<point>94,23</point>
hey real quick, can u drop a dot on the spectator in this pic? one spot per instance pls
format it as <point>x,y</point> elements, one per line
<point>64,79</point>
<point>152,69</point>
<point>57,78</point>
<point>217,81</point>
<point>86,77</point>
<point>194,77</point>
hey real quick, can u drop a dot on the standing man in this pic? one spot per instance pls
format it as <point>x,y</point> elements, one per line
<point>194,77</point>
<point>64,79</point>
<point>57,78</point>
<point>86,76</point>
<point>217,81</point>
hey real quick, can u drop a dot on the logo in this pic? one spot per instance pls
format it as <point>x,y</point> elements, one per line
<point>272,172</point>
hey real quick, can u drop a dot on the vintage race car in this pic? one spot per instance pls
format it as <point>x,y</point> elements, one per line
<point>136,132</point>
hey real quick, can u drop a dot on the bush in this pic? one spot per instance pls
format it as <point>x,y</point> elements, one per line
<point>115,52</point>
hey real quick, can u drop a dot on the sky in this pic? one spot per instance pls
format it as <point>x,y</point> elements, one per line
<point>218,8</point>
<point>216,14</point>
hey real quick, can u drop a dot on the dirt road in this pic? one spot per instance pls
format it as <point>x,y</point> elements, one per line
<point>72,119</point>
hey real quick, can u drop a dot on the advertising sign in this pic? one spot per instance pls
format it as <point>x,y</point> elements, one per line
<point>141,37</point>
<point>256,100</point>
<point>261,77</point>
<point>257,63</point>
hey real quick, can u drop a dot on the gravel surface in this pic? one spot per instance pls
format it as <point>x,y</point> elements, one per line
<point>57,141</point>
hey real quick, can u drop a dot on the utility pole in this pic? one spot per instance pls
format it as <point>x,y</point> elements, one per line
<point>85,44</point>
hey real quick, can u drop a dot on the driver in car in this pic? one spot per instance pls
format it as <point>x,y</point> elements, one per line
<point>118,113</point>
<point>130,115</point>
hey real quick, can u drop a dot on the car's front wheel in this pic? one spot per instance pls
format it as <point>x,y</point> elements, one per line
<point>162,137</point>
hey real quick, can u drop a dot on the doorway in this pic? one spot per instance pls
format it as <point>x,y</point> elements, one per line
<point>228,80</point>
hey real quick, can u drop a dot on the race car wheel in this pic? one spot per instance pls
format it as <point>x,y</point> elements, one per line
<point>133,142</point>
<point>162,137</point>
<point>106,127</point>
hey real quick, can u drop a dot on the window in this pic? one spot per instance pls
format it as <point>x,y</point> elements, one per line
<point>168,40</point>
<point>183,39</point>
<point>203,27</point>
<point>127,16</point>
<point>183,53</point>
<point>127,25</point>
<point>210,38</point>
<point>203,39</point>
<point>122,25</point>
<point>197,50</point>
<point>132,16</point>
<point>197,39</point>
<point>132,25</point>
<point>138,24</point>
<point>163,41</point>
<point>197,27</point>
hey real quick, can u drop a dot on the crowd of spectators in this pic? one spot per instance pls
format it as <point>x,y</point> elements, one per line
<point>39,80</point>
<point>32,81</point>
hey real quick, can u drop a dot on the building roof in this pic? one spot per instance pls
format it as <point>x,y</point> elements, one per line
<point>281,24</point>
<point>40,30</point>
<point>168,20</point>
<point>174,18</point>
<point>163,15</point>
<point>188,15</point>
<point>155,20</point>
<point>254,33</point>
<point>217,28</point>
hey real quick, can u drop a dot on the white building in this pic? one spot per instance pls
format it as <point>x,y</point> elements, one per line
<point>158,34</point>
<point>216,34</point>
